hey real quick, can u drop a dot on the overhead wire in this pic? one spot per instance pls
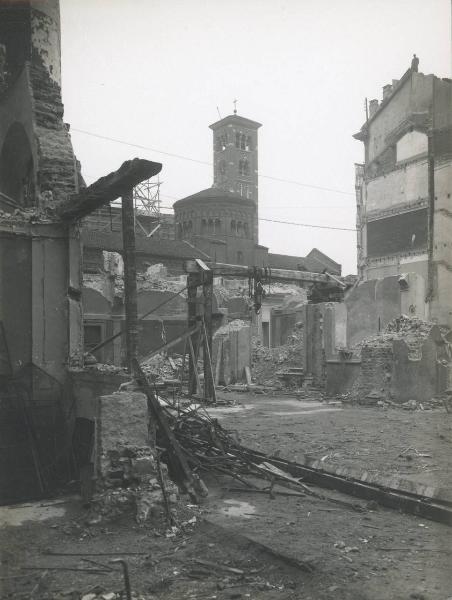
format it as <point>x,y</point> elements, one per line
<point>204,162</point>
<point>279,221</point>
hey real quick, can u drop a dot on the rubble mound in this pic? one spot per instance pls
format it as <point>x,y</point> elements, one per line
<point>375,385</point>
<point>404,325</point>
<point>130,484</point>
<point>268,363</point>
<point>412,330</point>
<point>160,367</point>
<point>234,325</point>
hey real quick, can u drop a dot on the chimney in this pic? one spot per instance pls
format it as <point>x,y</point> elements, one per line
<point>373,107</point>
<point>387,91</point>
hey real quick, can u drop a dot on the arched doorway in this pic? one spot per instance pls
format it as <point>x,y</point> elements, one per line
<point>16,166</point>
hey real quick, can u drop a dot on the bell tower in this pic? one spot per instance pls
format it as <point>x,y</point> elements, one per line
<point>235,166</point>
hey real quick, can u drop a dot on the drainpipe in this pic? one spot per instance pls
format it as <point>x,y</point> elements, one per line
<point>130,278</point>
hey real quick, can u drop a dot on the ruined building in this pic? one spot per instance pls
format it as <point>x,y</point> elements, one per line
<point>404,206</point>
<point>42,199</point>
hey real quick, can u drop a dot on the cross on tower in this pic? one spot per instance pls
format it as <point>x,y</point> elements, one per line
<point>235,106</point>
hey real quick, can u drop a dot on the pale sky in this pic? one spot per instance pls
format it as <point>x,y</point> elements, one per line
<point>152,73</point>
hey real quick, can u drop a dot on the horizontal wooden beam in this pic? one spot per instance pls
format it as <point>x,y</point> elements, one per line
<point>239,270</point>
<point>108,188</point>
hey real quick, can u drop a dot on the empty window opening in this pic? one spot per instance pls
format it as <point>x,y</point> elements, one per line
<point>244,167</point>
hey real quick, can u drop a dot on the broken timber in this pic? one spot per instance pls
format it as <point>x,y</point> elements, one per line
<point>176,457</point>
<point>108,188</point>
<point>435,510</point>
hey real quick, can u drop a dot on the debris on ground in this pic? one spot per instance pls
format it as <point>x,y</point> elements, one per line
<point>130,484</point>
<point>269,363</point>
<point>161,367</point>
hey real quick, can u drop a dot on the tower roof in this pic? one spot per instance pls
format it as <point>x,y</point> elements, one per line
<point>236,120</point>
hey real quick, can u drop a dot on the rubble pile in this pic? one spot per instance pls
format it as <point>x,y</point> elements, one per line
<point>411,329</point>
<point>30,215</point>
<point>268,363</point>
<point>292,292</point>
<point>234,325</point>
<point>375,384</point>
<point>130,485</point>
<point>160,367</point>
<point>91,364</point>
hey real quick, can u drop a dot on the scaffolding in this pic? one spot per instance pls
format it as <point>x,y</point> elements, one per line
<point>146,202</point>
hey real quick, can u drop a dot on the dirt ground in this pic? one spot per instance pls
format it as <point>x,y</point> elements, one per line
<point>288,546</point>
<point>415,445</point>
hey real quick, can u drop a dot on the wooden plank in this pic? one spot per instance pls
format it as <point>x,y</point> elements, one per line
<point>177,460</point>
<point>435,510</point>
<point>195,367</point>
<point>207,357</point>
<point>108,188</point>
<point>219,359</point>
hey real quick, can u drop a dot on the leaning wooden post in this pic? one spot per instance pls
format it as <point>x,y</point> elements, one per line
<point>130,278</point>
<point>192,288</point>
<point>207,288</point>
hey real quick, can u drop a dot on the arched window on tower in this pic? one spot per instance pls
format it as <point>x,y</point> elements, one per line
<point>221,142</point>
<point>249,143</point>
<point>240,140</point>
<point>240,228</point>
<point>203,226</point>
<point>210,225</point>
<point>179,231</point>
<point>217,226</point>
<point>233,227</point>
<point>244,168</point>
<point>246,230</point>
<point>190,227</point>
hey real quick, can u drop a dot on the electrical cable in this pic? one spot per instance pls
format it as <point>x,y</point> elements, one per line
<point>203,162</point>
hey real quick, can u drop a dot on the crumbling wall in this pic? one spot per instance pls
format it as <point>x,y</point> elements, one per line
<point>56,169</point>
<point>231,351</point>
<point>124,459</point>
<point>409,360</point>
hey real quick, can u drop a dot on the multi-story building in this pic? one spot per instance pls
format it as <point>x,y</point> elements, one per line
<point>404,206</point>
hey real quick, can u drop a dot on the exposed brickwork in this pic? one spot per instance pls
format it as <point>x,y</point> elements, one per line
<point>57,170</point>
<point>376,368</point>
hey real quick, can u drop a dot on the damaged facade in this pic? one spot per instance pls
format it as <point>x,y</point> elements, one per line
<point>404,216</point>
<point>40,256</point>
<point>42,197</point>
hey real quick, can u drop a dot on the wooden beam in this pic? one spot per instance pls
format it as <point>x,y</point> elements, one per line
<point>177,462</point>
<point>106,189</point>
<point>130,277</point>
<point>243,271</point>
